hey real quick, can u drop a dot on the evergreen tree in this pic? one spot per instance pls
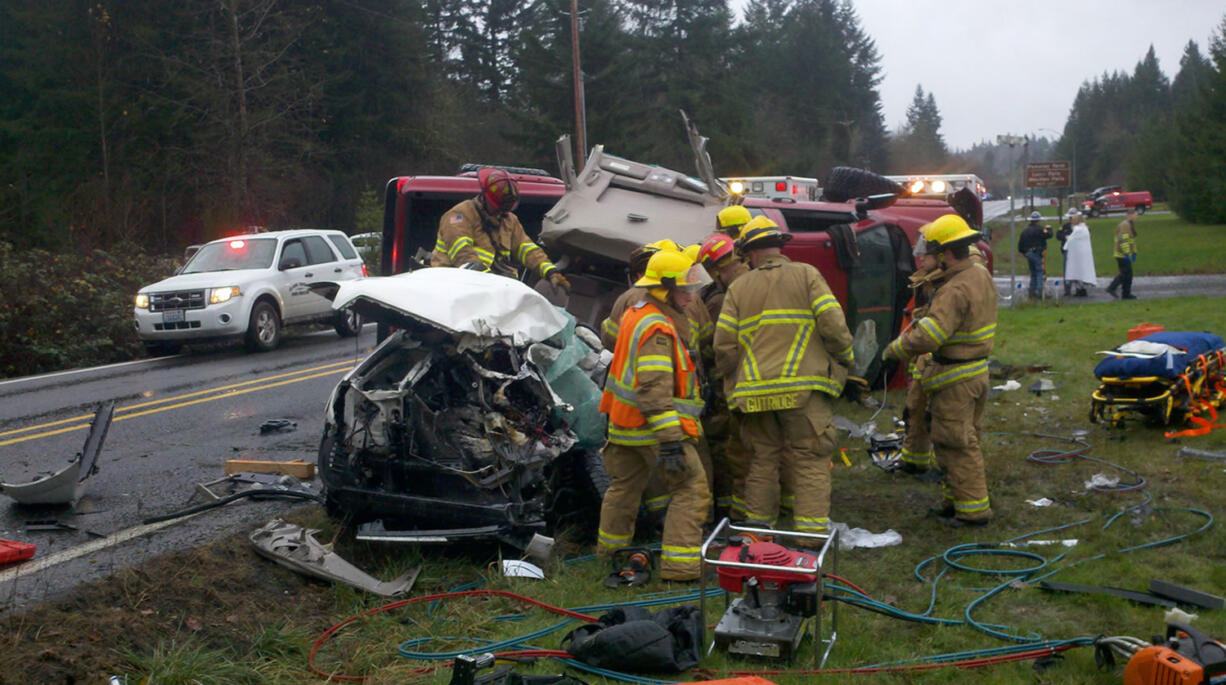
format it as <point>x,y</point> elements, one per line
<point>1198,168</point>
<point>919,146</point>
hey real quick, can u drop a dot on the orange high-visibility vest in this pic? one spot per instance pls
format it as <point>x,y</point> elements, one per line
<point>627,425</point>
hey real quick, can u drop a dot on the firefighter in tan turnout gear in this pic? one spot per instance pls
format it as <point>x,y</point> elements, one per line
<point>483,233</point>
<point>653,402</point>
<point>958,330</point>
<point>783,341</point>
<point>917,454</point>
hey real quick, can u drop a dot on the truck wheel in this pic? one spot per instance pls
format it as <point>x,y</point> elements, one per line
<point>1141,209</point>
<point>264,328</point>
<point>845,183</point>
<point>348,323</point>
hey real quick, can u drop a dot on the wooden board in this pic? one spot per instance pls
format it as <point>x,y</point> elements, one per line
<point>297,468</point>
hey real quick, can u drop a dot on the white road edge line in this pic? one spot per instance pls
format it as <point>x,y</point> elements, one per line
<point>76,371</point>
<point>40,563</point>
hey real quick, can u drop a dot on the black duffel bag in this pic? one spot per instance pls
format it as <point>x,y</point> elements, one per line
<point>633,639</point>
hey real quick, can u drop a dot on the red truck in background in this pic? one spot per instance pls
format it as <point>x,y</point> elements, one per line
<point>1102,201</point>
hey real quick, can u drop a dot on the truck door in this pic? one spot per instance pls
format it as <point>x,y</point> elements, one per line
<point>877,285</point>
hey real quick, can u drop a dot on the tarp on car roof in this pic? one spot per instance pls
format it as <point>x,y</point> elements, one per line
<point>615,205</point>
<point>458,301</point>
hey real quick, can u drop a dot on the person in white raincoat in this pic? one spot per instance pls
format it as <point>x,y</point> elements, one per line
<point>1080,265</point>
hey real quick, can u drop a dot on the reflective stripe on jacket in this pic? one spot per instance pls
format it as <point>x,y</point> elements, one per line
<point>651,394</point>
<point>781,335</point>
<point>959,327</point>
<point>463,238</point>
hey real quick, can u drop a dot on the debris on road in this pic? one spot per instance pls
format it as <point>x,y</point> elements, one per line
<point>1040,502</point>
<point>240,482</point>
<point>515,568</point>
<point>296,548</point>
<point>277,426</point>
<point>12,551</point>
<point>68,484</point>
<point>295,467</point>
<point>1219,455</point>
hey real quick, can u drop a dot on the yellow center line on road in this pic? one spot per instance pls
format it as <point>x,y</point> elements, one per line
<point>222,392</point>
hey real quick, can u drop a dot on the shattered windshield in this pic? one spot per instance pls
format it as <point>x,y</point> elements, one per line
<point>229,255</point>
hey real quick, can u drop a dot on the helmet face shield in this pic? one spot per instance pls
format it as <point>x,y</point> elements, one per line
<point>499,191</point>
<point>921,247</point>
<point>694,280</point>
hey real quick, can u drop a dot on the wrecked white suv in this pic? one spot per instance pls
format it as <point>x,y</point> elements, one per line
<point>476,419</point>
<point>249,287</point>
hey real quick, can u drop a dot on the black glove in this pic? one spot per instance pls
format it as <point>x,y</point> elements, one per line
<point>855,389</point>
<point>672,457</point>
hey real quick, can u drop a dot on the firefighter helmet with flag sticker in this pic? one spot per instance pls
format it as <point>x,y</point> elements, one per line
<point>498,190</point>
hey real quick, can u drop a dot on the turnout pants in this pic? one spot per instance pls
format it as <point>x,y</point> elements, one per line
<point>1124,278</point>
<point>657,494</point>
<point>629,469</point>
<point>916,444</point>
<point>957,423</point>
<point>729,465</point>
<point>798,444</point>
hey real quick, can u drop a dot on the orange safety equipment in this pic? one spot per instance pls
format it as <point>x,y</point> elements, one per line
<point>628,425</point>
<point>761,232</point>
<point>498,189</point>
<point>715,250</point>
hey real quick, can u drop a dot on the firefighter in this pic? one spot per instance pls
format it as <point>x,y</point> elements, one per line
<point>696,329</point>
<point>653,403</point>
<point>958,329</point>
<point>917,454</point>
<point>483,233</point>
<point>783,341</point>
<point>719,425</point>
<point>730,220</point>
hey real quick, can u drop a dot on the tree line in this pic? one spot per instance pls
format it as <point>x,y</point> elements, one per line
<point>165,124</point>
<point>1149,132</point>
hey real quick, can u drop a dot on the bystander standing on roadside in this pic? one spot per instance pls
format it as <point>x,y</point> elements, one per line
<point>1033,244</point>
<point>1079,257</point>
<point>1062,235</point>
<point>1125,256</point>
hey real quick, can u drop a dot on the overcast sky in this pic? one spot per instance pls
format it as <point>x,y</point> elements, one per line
<point>1014,67</point>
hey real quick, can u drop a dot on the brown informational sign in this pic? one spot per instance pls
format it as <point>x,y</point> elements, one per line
<point>1047,175</point>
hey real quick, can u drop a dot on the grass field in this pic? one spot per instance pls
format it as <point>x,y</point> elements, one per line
<point>220,614</point>
<point>1166,245</point>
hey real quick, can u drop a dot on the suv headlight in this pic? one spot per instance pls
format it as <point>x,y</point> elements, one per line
<point>219,295</point>
<point>142,301</point>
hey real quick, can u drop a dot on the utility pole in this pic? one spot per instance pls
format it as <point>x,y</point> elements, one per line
<point>1012,141</point>
<point>580,123</point>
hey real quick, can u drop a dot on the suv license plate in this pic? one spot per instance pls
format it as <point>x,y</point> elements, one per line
<point>172,316</point>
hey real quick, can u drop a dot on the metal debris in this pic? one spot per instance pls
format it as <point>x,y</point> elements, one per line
<point>296,548</point>
<point>67,485</point>
<point>277,426</point>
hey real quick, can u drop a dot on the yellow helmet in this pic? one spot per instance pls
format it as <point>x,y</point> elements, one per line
<point>669,269</point>
<point>761,232</point>
<point>731,219</point>
<point>691,251</point>
<point>640,255</point>
<point>947,231</point>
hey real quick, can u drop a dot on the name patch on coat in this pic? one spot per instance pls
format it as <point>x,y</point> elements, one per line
<point>773,403</point>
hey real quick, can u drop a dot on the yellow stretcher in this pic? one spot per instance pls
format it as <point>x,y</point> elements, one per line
<point>1192,394</point>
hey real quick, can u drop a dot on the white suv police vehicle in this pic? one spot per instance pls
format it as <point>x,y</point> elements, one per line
<point>249,287</point>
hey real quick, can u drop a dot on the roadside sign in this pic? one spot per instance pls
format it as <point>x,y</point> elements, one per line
<point>1047,175</point>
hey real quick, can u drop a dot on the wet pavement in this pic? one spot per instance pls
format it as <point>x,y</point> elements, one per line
<point>1144,287</point>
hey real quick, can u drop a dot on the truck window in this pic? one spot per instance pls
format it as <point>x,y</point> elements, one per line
<point>318,250</point>
<point>343,245</point>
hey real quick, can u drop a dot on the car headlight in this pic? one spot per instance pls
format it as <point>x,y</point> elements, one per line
<point>142,301</point>
<point>219,295</point>
<point>736,188</point>
<point>917,187</point>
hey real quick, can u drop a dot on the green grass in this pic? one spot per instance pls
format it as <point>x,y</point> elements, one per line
<point>254,621</point>
<point>1166,245</point>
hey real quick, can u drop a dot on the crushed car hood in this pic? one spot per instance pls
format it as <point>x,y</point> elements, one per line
<point>459,301</point>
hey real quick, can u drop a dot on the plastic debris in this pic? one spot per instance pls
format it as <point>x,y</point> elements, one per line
<point>1007,386</point>
<point>68,484</point>
<point>277,426</point>
<point>1040,502</point>
<point>1207,455</point>
<point>1102,480</point>
<point>851,538</point>
<point>1042,385</point>
<point>514,568</point>
<point>296,548</point>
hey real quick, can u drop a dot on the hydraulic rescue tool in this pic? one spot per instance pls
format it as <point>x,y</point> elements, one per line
<point>1185,657</point>
<point>780,588</point>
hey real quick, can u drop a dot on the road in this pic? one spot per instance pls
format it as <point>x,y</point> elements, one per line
<point>177,420</point>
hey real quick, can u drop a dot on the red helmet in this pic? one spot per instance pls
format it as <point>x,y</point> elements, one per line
<point>499,190</point>
<point>716,249</point>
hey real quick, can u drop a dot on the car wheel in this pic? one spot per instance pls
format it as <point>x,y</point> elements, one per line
<point>348,323</point>
<point>162,349</point>
<point>1141,209</point>
<point>845,183</point>
<point>264,328</point>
